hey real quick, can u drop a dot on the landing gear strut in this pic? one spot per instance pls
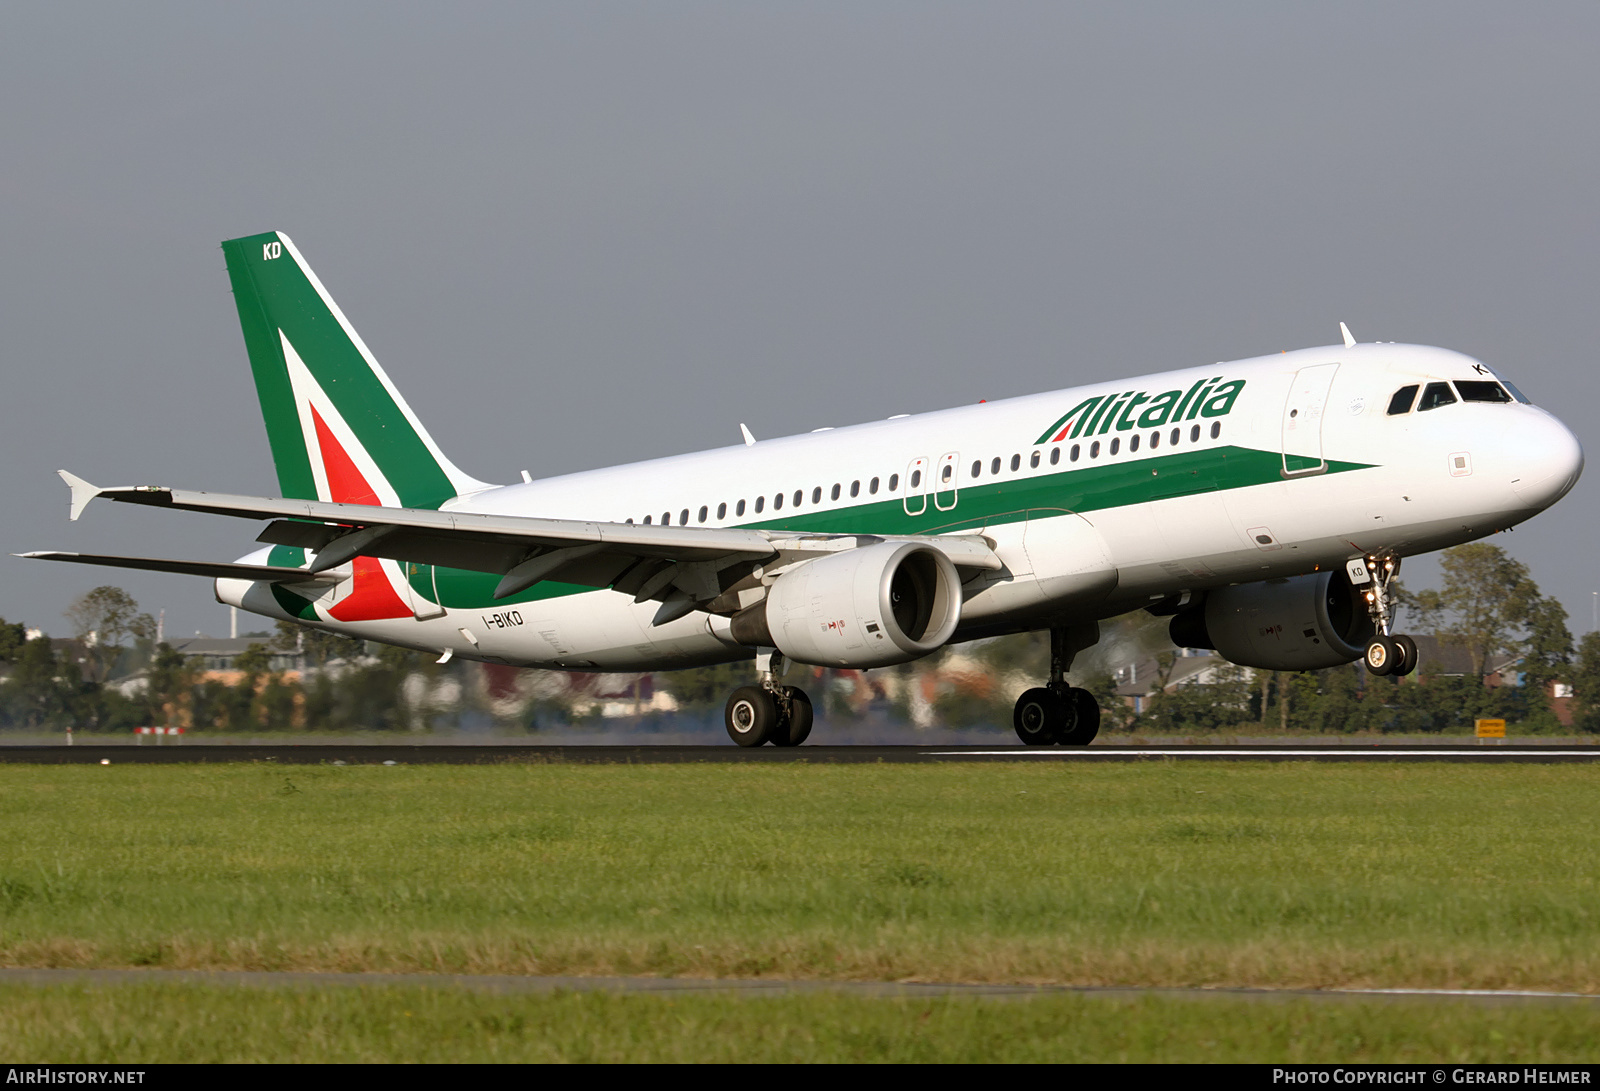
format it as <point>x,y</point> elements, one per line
<point>1056,713</point>
<point>1386,653</point>
<point>768,712</point>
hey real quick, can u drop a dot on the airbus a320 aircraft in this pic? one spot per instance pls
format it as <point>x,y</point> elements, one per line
<point>1264,504</point>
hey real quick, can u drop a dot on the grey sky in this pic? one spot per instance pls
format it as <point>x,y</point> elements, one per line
<point>583,234</point>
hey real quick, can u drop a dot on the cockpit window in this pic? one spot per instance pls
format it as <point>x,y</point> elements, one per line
<point>1401,402</point>
<point>1481,390</point>
<point>1515,393</point>
<point>1434,396</point>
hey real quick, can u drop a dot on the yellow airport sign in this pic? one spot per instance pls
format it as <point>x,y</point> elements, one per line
<point>1491,729</point>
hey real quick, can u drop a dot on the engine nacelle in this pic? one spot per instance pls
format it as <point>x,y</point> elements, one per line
<point>870,607</point>
<point>1300,624</point>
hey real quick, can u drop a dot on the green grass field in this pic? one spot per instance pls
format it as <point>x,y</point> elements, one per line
<point>1287,875</point>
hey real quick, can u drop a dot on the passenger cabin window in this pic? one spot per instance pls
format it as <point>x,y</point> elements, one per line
<point>834,495</point>
<point>916,479</point>
<point>1478,390</point>
<point>1401,402</point>
<point>1194,434</point>
<point>646,520</point>
<point>1094,449</point>
<point>761,502</point>
<point>703,514</point>
<point>977,468</point>
<point>722,512</point>
<point>816,494</point>
<point>994,467</point>
<point>855,488</point>
<point>1177,433</point>
<point>1435,395</point>
<point>738,509</point>
<point>1033,461</point>
<point>683,519</point>
<point>894,482</point>
<point>1073,457</point>
<point>946,472</point>
<point>1116,445</point>
<point>872,487</point>
<point>1155,440</point>
<point>666,518</point>
<point>799,494</point>
<point>777,502</point>
<point>1016,461</point>
<point>1133,443</point>
<point>1216,429</point>
<point>1055,455</point>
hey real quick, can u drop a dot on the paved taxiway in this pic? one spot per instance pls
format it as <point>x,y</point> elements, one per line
<point>483,754</point>
<point>515,984</point>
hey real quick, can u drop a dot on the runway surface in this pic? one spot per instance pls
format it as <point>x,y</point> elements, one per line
<point>334,753</point>
<point>517,984</point>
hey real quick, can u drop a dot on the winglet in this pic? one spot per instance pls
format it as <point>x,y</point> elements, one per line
<point>1349,339</point>
<point>82,493</point>
<point>749,440</point>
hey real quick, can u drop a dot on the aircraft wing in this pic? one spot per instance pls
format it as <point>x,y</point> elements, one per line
<point>684,564</point>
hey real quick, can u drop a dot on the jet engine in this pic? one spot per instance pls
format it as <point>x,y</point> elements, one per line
<point>887,603</point>
<point>1299,624</point>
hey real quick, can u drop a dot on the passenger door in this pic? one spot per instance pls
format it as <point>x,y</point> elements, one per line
<point>1302,420</point>
<point>916,494</point>
<point>945,490</point>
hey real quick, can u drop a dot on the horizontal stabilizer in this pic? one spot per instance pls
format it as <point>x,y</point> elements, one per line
<point>213,570</point>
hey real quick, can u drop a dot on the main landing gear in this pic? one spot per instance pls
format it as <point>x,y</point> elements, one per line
<point>1056,713</point>
<point>768,712</point>
<point>1386,653</point>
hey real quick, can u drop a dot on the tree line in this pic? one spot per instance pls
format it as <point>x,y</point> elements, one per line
<point>1488,605</point>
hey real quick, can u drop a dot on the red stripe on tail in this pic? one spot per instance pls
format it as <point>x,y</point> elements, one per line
<point>372,596</point>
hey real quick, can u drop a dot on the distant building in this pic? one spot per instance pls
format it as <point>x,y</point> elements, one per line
<point>218,654</point>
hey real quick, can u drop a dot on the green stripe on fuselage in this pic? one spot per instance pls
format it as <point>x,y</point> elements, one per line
<point>984,503</point>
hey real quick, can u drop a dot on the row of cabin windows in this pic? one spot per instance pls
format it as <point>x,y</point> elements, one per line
<point>777,501</point>
<point>1076,452</point>
<point>1437,394</point>
<point>915,481</point>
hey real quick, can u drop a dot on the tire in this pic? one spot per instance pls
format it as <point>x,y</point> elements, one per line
<point>750,716</point>
<point>1086,722</point>
<point>792,730</point>
<point>1383,656</point>
<point>1039,717</point>
<point>1408,655</point>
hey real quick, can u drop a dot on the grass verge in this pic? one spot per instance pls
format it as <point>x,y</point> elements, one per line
<point>1287,874</point>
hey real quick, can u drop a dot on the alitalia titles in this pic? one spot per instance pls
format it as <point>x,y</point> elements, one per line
<point>1136,409</point>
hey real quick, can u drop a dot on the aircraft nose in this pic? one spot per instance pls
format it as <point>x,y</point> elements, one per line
<point>1550,463</point>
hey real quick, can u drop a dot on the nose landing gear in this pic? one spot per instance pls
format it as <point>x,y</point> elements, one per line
<point>1373,576</point>
<point>1056,713</point>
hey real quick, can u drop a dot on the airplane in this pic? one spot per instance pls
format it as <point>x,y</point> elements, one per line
<point>1264,505</point>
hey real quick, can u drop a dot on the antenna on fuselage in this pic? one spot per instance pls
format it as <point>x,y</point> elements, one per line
<point>1349,339</point>
<point>749,440</point>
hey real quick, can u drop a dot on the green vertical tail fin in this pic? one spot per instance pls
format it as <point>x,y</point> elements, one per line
<point>338,428</point>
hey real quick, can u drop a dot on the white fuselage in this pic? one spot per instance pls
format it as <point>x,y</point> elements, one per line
<point>1305,469</point>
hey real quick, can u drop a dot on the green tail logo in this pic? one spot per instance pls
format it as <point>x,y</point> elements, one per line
<point>338,428</point>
